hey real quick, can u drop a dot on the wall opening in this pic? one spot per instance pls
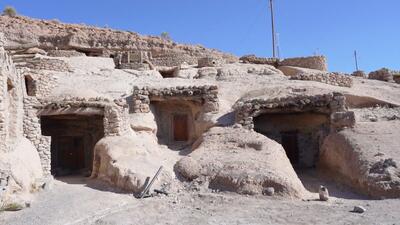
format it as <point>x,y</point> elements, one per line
<point>73,138</point>
<point>175,121</point>
<point>10,85</point>
<point>300,134</point>
<point>91,52</point>
<point>168,73</point>
<point>30,86</point>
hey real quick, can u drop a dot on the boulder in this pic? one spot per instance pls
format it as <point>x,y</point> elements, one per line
<point>351,157</point>
<point>20,171</point>
<point>242,161</point>
<point>127,162</point>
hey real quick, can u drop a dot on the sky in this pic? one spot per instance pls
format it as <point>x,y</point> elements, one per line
<point>334,28</point>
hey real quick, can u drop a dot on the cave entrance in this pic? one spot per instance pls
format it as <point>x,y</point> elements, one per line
<point>73,138</point>
<point>300,134</point>
<point>289,142</point>
<point>167,73</point>
<point>176,126</point>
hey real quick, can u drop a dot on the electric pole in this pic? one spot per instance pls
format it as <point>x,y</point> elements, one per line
<point>278,50</point>
<point>271,5</point>
<point>356,59</point>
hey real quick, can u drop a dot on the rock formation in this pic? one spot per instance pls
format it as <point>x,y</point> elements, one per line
<point>113,105</point>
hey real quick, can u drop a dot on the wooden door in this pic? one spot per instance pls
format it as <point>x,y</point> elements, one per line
<point>71,153</point>
<point>290,144</point>
<point>180,127</point>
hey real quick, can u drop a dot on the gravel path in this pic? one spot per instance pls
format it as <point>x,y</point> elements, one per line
<point>82,201</point>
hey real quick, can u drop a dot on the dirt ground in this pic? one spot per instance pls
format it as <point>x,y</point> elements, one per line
<point>77,200</point>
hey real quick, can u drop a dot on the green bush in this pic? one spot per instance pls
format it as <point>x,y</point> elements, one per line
<point>9,11</point>
<point>165,36</point>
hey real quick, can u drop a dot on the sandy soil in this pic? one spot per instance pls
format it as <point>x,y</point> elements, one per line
<point>77,200</point>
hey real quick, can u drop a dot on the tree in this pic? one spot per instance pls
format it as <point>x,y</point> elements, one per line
<point>165,36</point>
<point>9,11</point>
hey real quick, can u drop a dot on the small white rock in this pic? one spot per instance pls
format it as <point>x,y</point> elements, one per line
<point>359,209</point>
<point>323,193</point>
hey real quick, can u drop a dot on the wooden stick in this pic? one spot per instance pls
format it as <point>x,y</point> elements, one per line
<point>151,183</point>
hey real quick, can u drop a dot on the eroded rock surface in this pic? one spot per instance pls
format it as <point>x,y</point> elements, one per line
<point>239,160</point>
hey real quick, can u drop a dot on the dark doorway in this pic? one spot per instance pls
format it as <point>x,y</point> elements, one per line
<point>290,144</point>
<point>300,134</point>
<point>30,86</point>
<point>180,126</point>
<point>168,73</point>
<point>69,153</point>
<point>73,138</point>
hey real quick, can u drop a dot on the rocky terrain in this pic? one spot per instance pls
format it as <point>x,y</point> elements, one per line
<point>245,142</point>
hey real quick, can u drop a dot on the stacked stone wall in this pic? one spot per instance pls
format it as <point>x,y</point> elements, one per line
<point>33,132</point>
<point>5,65</point>
<point>210,62</point>
<point>396,78</point>
<point>64,53</point>
<point>134,66</point>
<point>252,59</point>
<point>336,79</point>
<point>207,95</point>
<point>11,111</point>
<point>328,104</point>
<point>359,73</point>
<point>46,64</point>
<point>313,62</point>
<point>115,120</point>
<point>44,82</point>
<point>383,74</point>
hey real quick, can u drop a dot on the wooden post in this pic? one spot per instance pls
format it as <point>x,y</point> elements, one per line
<point>151,183</point>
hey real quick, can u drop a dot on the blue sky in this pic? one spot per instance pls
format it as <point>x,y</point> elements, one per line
<point>334,28</point>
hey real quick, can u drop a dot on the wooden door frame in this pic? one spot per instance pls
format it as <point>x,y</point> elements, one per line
<point>172,127</point>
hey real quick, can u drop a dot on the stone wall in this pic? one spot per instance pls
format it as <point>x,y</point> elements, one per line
<point>326,104</point>
<point>64,53</point>
<point>383,74</point>
<point>207,95</point>
<point>134,66</point>
<point>312,62</point>
<point>309,119</point>
<point>19,162</point>
<point>115,117</point>
<point>43,82</point>
<point>396,78</point>
<point>252,59</point>
<point>359,73</point>
<point>337,79</point>
<point>11,111</point>
<point>210,62</point>
<point>32,131</point>
<point>41,63</point>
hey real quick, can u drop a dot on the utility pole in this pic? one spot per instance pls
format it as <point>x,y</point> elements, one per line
<point>271,5</point>
<point>356,59</point>
<point>278,49</point>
